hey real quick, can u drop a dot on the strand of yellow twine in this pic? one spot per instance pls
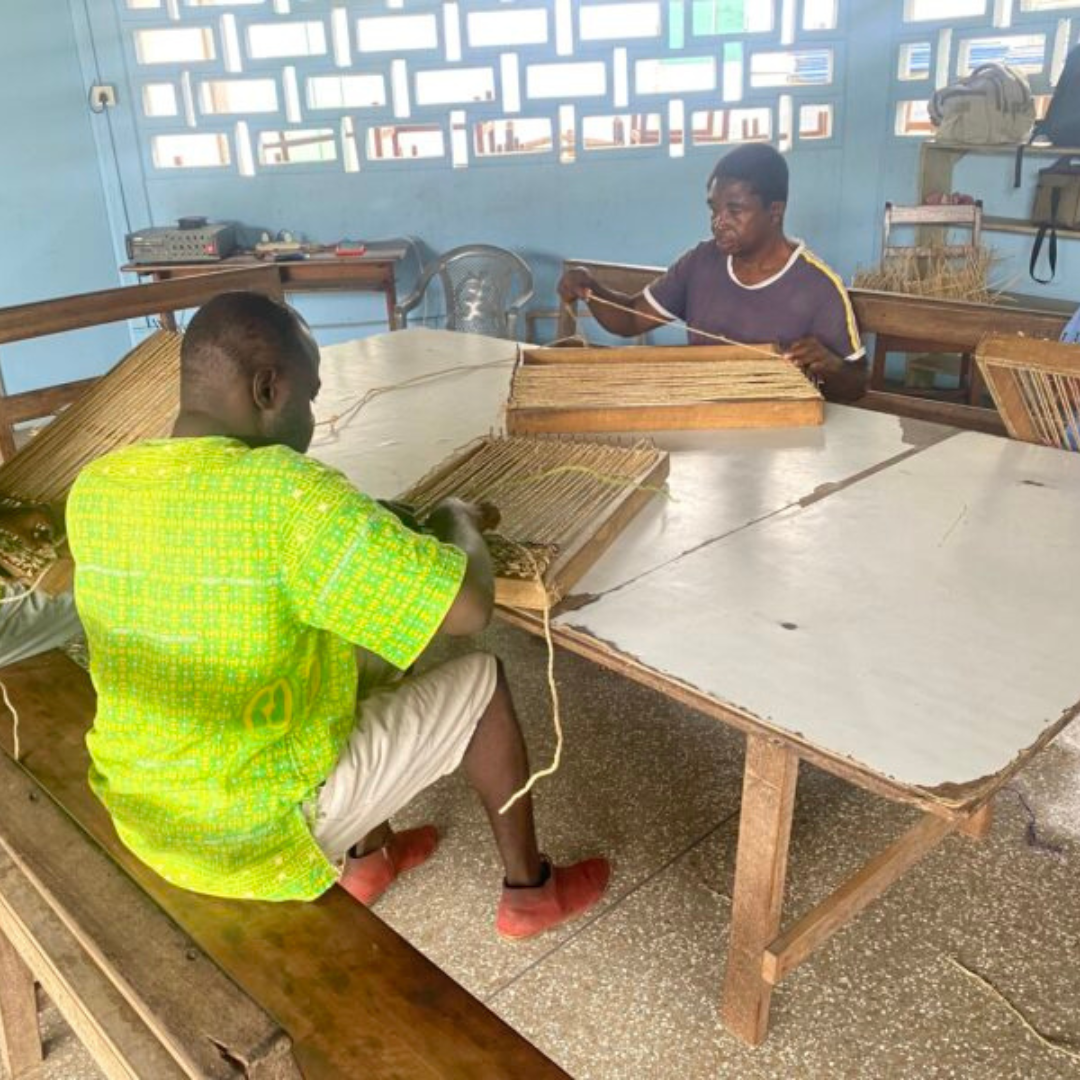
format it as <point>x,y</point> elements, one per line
<point>606,479</point>
<point>22,597</point>
<point>14,719</point>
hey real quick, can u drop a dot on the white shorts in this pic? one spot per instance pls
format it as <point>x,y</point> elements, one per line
<point>407,736</point>
<point>33,622</point>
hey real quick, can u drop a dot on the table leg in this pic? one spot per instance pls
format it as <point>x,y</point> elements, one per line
<point>877,367</point>
<point>978,825</point>
<point>20,1040</point>
<point>768,800</point>
<point>391,298</point>
<point>977,386</point>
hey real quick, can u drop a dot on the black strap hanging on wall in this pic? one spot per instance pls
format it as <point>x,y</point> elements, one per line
<point>1045,229</point>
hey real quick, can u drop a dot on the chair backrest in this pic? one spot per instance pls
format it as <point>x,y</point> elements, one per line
<point>931,223</point>
<point>485,288</point>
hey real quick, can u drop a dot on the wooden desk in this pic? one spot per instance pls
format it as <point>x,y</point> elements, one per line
<point>832,568</point>
<point>914,323</point>
<point>374,271</point>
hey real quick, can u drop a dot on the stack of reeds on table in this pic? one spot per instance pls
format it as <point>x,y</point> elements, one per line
<point>938,274</point>
<point>562,503</point>
<point>138,399</point>
<point>658,388</point>
<point>1035,386</point>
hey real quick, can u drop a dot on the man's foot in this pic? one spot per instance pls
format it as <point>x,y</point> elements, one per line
<point>566,893</point>
<point>366,878</point>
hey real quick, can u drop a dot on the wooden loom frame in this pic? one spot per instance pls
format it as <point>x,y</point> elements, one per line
<point>743,413</point>
<point>581,550</point>
<point>1016,369</point>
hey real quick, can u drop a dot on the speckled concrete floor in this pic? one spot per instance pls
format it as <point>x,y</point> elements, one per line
<point>631,992</point>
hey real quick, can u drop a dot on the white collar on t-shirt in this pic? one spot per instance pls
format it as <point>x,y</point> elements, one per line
<point>800,246</point>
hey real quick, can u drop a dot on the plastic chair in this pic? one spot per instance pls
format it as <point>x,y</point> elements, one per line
<point>485,287</point>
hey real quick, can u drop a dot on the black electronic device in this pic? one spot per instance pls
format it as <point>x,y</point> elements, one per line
<point>192,240</point>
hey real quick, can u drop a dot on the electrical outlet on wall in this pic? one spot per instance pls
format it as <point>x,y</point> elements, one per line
<point>102,97</point>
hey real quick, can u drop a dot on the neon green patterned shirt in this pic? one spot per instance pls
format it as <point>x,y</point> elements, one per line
<point>222,590</point>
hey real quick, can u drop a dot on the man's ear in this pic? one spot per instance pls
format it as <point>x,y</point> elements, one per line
<point>265,388</point>
<point>776,211</point>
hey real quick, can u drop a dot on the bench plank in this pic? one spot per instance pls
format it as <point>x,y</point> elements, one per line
<point>354,996</point>
<point>106,1022</point>
<point>20,1036</point>
<point>186,1002</point>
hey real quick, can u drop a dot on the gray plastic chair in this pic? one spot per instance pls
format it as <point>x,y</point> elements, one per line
<point>485,288</point>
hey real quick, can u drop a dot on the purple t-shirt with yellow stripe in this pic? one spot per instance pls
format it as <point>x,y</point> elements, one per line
<point>804,299</point>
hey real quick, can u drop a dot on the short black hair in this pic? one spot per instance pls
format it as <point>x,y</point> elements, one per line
<point>759,166</point>
<point>244,331</point>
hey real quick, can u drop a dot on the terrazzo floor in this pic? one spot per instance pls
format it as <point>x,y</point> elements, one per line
<point>631,992</point>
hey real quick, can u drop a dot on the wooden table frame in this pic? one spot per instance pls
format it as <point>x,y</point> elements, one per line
<point>760,952</point>
<point>317,273</point>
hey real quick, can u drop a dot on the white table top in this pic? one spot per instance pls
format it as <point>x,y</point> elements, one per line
<point>928,579</point>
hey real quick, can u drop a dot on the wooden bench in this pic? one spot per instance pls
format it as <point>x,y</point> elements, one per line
<point>160,982</point>
<point>27,321</point>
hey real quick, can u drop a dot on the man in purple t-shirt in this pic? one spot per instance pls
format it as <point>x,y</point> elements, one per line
<point>749,283</point>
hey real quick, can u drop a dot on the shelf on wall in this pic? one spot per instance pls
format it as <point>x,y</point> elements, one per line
<point>1023,228</point>
<point>1041,149</point>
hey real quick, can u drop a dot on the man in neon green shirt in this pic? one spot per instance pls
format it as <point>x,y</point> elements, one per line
<point>225,581</point>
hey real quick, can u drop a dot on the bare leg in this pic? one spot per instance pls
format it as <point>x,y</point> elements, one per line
<point>379,837</point>
<point>496,765</point>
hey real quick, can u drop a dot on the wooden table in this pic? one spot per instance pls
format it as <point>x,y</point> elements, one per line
<point>808,587</point>
<point>374,271</point>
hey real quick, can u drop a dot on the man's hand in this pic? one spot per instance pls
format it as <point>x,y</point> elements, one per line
<point>403,512</point>
<point>816,362</point>
<point>576,284</point>
<point>460,523</point>
<point>483,517</point>
<point>840,380</point>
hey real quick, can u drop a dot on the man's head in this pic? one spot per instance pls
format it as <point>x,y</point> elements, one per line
<point>249,369</point>
<point>747,195</point>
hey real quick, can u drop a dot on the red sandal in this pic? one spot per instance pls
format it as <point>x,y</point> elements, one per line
<point>566,894</point>
<point>366,878</point>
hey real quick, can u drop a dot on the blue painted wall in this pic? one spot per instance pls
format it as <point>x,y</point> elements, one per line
<point>66,208</point>
<point>53,220</point>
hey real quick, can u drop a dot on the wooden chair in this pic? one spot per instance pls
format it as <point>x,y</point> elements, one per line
<point>625,277</point>
<point>931,224</point>
<point>28,321</point>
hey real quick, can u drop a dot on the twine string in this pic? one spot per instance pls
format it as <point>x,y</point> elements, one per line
<point>352,409</point>
<point>14,719</point>
<point>553,690</point>
<point>661,321</point>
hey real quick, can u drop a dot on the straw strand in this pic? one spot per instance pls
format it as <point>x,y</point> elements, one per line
<point>661,321</point>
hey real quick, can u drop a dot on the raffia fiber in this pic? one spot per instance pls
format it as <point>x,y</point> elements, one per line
<point>542,386</point>
<point>137,399</point>
<point>548,491</point>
